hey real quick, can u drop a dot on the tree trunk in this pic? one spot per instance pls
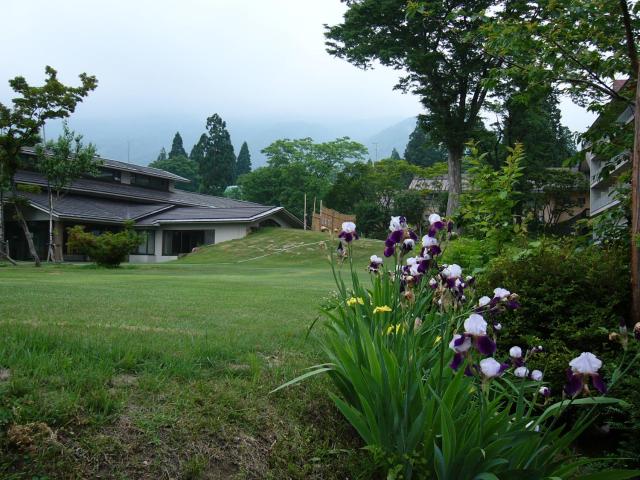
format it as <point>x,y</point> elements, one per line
<point>454,176</point>
<point>635,213</point>
<point>4,251</point>
<point>25,228</point>
<point>50,248</point>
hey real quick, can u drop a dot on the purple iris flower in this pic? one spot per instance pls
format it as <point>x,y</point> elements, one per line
<point>485,345</point>
<point>348,233</point>
<point>583,368</point>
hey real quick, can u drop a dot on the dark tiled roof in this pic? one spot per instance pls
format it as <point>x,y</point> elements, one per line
<point>135,193</point>
<point>93,208</point>
<point>128,167</point>
<point>199,214</point>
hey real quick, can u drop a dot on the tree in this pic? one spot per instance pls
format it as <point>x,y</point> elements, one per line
<point>217,167</point>
<point>20,127</point>
<point>197,152</point>
<point>537,125</point>
<point>61,162</point>
<point>298,167</point>
<point>580,46</point>
<point>380,190</point>
<point>162,156</point>
<point>176,147</point>
<point>488,208</point>
<point>395,155</point>
<point>421,150</point>
<point>243,165</point>
<point>445,63</point>
<point>183,166</point>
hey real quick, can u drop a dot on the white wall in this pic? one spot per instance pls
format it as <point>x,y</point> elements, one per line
<point>224,232</point>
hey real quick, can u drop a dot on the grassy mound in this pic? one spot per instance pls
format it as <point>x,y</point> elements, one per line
<point>273,247</point>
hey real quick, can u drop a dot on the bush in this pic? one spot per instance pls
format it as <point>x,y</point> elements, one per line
<point>107,249</point>
<point>572,298</point>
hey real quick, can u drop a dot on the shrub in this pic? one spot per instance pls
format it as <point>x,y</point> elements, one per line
<point>415,364</point>
<point>573,298</point>
<point>107,249</point>
<point>487,208</point>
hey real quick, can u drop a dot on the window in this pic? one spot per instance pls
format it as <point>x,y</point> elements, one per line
<point>149,182</point>
<point>148,244</point>
<point>107,175</point>
<point>175,242</point>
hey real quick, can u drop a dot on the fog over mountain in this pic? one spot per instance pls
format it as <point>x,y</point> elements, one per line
<point>139,139</point>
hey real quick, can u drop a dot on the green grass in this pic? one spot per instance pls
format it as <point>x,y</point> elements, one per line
<point>164,371</point>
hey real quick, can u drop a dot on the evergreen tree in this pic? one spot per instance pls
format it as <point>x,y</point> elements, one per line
<point>536,124</point>
<point>421,150</point>
<point>177,149</point>
<point>197,152</point>
<point>217,169</point>
<point>394,154</point>
<point>162,155</point>
<point>243,165</point>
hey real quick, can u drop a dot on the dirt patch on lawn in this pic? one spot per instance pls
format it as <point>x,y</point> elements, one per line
<point>176,450</point>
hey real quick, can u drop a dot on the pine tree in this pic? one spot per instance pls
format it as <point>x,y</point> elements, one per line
<point>162,155</point>
<point>394,154</point>
<point>217,169</point>
<point>197,152</point>
<point>243,165</point>
<point>177,148</point>
<point>421,150</point>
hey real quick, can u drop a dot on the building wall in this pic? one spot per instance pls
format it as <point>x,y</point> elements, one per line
<point>224,232</point>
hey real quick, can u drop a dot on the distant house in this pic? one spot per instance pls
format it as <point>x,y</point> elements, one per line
<point>555,202</point>
<point>171,221</point>
<point>602,185</point>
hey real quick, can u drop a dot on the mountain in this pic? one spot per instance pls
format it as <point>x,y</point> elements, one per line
<point>138,140</point>
<point>395,136</point>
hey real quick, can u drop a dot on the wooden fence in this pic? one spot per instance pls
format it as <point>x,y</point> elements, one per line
<point>329,219</point>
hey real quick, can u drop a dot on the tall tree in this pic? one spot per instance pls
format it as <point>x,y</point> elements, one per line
<point>580,46</point>
<point>243,165</point>
<point>61,162</point>
<point>444,61</point>
<point>422,150</point>
<point>177,148</point>
<point>197,152</point>
<point>394,154</point>
<point>20,127</point>
<point>162,156</point>
<point>296,167</point>
<point>217,168</point>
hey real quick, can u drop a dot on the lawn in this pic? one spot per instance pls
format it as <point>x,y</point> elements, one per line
<point>164,371</point>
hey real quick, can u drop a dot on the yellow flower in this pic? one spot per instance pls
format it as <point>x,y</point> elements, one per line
<point>353,300</point>
<point>382,309</point>
<point>397,328</point>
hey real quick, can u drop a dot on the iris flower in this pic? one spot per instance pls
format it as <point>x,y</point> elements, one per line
<point>583,368</point>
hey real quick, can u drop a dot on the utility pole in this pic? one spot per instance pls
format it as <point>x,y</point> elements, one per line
<point>304,221</point>
<point>375,144</point>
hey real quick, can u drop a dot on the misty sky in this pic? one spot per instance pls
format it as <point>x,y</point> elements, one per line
<point>252,59</point>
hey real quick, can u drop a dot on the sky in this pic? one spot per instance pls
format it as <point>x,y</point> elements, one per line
<point>176,62</point>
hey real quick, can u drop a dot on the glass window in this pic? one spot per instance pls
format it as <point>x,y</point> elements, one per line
<point>149,182</point>
<point>175,242</point>
<point>107,175</point>
<point>148,244</point>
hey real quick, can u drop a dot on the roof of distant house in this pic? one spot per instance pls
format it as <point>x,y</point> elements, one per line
<point>128,167</point>
<point>135,193</point>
